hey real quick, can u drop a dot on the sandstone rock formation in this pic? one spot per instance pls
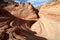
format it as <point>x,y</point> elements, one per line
<point>48,25</point>
<point>24,11</point>
<point>16,21</point>
<point>4,3</point>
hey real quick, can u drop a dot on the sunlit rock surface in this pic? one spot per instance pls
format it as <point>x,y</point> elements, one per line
<point>48,25</point>
<point>15,28</point>
<point>23,22</point>
<point>23,10</point>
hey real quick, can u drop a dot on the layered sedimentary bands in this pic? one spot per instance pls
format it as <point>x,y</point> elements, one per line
<point>16,21</point>
<point>48,25</point>
<point>24,22</point>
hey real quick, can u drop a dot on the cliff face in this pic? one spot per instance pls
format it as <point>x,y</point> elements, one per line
<point>22,21</point>
<point>48,25</point>
<point>23,10</point>
<point>16,21</point>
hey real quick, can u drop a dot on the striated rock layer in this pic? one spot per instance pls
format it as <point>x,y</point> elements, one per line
<point>48,25</point>
<point>16,21</point>
<point>23,10</point>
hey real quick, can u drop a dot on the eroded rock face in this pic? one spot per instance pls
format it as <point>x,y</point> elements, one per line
<point>48,25</point>
<point>14,28</point>
<point>4,3</point>
<point>24,11</point>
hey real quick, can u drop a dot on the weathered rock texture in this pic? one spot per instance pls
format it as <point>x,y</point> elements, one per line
<point>16,21</point>
<point>48,25</point>
<point>4,3</point>
<point>23,10</point>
